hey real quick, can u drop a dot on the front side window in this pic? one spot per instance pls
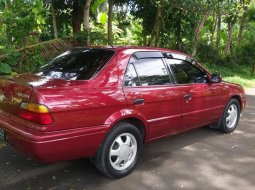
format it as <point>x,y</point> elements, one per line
<point>186,73</point>
<point>77,64</point>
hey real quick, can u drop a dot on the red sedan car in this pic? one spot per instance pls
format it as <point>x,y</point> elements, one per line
<point>105,103</point>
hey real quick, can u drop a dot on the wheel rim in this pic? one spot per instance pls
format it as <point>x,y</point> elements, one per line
<point>231,118</point>
<point>123,151</point>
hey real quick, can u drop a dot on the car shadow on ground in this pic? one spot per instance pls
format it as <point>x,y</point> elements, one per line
<point>199,159</point>
<point>17,170</point>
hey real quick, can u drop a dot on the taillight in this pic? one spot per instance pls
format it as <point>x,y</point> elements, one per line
<point>36,113</point>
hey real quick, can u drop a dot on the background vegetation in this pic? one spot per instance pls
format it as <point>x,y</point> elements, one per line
<point>219,33</point>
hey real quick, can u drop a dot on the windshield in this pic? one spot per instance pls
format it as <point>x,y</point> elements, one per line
<point>76,64</point>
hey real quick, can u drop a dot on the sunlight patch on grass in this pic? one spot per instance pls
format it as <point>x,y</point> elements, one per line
<point>242,81</point>
<point>240,74</point>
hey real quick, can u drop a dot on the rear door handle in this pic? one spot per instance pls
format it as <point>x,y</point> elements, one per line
<point>138,101</point>
<point>187,97</point>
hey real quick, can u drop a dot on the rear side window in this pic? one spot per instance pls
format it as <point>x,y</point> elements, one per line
<point>186,73</point>
<point>149,72</point>
<point>131,78</point>
<point>77,64</point>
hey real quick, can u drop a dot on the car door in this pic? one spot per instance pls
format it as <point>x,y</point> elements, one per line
<point>150,92</point>
<point>202,101</point>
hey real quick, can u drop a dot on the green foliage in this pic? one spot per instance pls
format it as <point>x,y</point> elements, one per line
<point>32,60</point>
<point>146,10</point>
<point>206,53</point>
<point>26,24</point>
<point>31,57</point>
<point>19,23</point>
<point>66,12</point>
<point>132,34</point>
<point>96,5</point>
<point>36,55</point>
<point>236,73</point>
<point>8,58</point>
<point>97,34</point>
<point>245,53</point>
<point>5,68</point>
<point>102,18</point>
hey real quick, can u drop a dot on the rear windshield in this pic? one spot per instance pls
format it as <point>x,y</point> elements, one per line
<point>76,64</point>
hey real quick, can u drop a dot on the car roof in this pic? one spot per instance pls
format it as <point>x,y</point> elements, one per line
<point>134,48</point>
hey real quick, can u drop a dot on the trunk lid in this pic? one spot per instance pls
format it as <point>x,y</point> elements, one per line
<point>19,88</point>
<point>12,93</point>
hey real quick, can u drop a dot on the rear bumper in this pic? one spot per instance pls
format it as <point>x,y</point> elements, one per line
<point>54,146</point>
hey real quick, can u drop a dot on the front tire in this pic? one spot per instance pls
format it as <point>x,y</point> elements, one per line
<point>230,117</point>
<point>120,151</point>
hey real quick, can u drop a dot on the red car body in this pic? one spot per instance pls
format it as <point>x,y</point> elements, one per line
<point>83,111</point>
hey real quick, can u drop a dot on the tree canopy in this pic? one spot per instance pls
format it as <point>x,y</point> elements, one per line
<point>214,31</point>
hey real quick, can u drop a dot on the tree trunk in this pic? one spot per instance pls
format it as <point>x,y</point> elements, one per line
<point>253,70</point>
<point>144,39</point>
<point>86,20</point>
<point>145,32</point>
<point>179,31</point>
<point>241,28</point>
<point>157,24</point>
<point>218,31</point>
<point>5,9</point>
<point>197,33</point>
<point>231,24</point>
<point>109,26</point>
<point>76,17</point>
<point>213,28</point>
<point>54,21</point>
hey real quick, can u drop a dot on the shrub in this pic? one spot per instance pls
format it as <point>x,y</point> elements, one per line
<point>208,54</point>
<point>31,57</point>
<point>8,60</point>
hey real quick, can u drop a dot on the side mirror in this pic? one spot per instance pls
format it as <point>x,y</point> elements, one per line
<point>216,78</point>
<point>200,80</point>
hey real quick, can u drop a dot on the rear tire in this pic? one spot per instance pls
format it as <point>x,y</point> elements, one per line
<point>120,151</point>
<point>230,118</point>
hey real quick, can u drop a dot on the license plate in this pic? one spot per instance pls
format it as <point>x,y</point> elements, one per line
<point>2,135</point>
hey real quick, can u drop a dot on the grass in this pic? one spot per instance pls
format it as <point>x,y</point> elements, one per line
<point>240,74</point>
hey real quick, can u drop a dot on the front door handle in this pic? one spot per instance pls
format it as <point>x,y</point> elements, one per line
<point>187,96</point>
<point>138,101</point>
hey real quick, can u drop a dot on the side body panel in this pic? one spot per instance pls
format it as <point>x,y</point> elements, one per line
<point>205,106</point>
<point>161,107</point>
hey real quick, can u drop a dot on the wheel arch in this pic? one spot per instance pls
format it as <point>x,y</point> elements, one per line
<point>238,98</point>
<point>137,123</point>
<point>130,117</point>
<point>119,117</point>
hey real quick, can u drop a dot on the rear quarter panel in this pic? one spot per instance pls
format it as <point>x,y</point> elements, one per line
<point>85,103</point>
